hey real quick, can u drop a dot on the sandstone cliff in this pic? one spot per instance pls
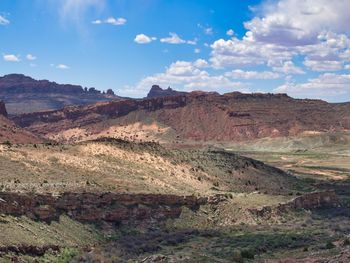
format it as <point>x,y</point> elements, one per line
<point>201,116</point>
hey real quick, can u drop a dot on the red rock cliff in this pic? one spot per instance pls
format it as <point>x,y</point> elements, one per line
<point>94,207</point>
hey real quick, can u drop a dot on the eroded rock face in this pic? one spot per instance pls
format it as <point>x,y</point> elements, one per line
<point>157,91</point>
<point>89,207</point>
<point>3,109</point>
<point>204,116</point>
<point>307,201</point>
<point>24,94</point>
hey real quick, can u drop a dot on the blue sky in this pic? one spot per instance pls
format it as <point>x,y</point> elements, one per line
<point>301,48</point>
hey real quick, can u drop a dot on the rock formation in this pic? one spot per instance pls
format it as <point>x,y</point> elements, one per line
<point>3,109</point>
<point>89,207</point>
<point>204,116</point>
<point>25,94</point>
<point>307,201</point>
<point>157,91</point>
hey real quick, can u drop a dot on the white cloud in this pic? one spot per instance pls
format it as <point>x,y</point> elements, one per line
<point>288,67</point>
<point>347,67</point>
<point>324,86</point>
<point>197,50</point>
<point>192,42</point>
<point>111,20</point>
<point>325,65</point>
<point>4,21</point>
<point>31,57</point>
<point>116,22</point>
<point>175,39</point>
<point>62,66</point>
<point>206,29</point>
<point>240,74</point>
<point>144,39</point>
<point>97,22</point>
<point>230,32</point>
<point>201,63</point>
<point>295,23</point>
<point>187,76</point>
<point>11,58</point>
<point>285,29</point>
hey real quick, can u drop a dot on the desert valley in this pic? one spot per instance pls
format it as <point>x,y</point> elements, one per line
<point>174,131</point>
<point>173,177</point>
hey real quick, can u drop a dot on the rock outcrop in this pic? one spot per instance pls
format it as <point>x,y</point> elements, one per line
<point>11,133</point>
<point>90,207</point>
<point>156,92</point>
<point>25,94</point>
<point>307,201</point>
<point>3,109</point>
<point>113,207</point>
<point>203,116</point>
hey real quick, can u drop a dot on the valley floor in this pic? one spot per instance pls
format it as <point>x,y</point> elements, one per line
<point>240,220</point>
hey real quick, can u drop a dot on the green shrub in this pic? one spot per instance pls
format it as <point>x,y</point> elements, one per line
<point>67,255</point>
<point>329,245</point>
<point>247,253</point>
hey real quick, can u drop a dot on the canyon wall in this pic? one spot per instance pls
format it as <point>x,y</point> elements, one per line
<point>202,116</point>
<point>89,207</point>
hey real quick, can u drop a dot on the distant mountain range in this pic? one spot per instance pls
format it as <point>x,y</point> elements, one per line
<point>23,94</point>
<point>166,115</point>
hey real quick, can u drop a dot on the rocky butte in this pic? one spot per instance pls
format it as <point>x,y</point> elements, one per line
<point>157,91</point>
<point>25,94</point>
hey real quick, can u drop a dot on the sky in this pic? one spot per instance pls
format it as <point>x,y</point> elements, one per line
<point>298,47</point>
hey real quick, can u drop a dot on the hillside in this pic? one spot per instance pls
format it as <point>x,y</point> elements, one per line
<point>192,117</point>
<point>11,133</point>
<point>120,166</point>
<point>24,94</point>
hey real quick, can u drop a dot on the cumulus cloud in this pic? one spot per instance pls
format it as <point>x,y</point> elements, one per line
<point>187,76</point>
<point>314,30</point>
<point>230,32</point>
<point>31,57</point>
<point>4,21</point>
<point>175,39</point>
<point>11,58</point>
<point>325,65</point>
<point>325,86</point>
<point>240,74</point>
<point>288,67</point>
<point>144,39</point>
<point>111,20</point>
<point>197,50</point>
<point>201,63</point>
<point>62,66</point>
